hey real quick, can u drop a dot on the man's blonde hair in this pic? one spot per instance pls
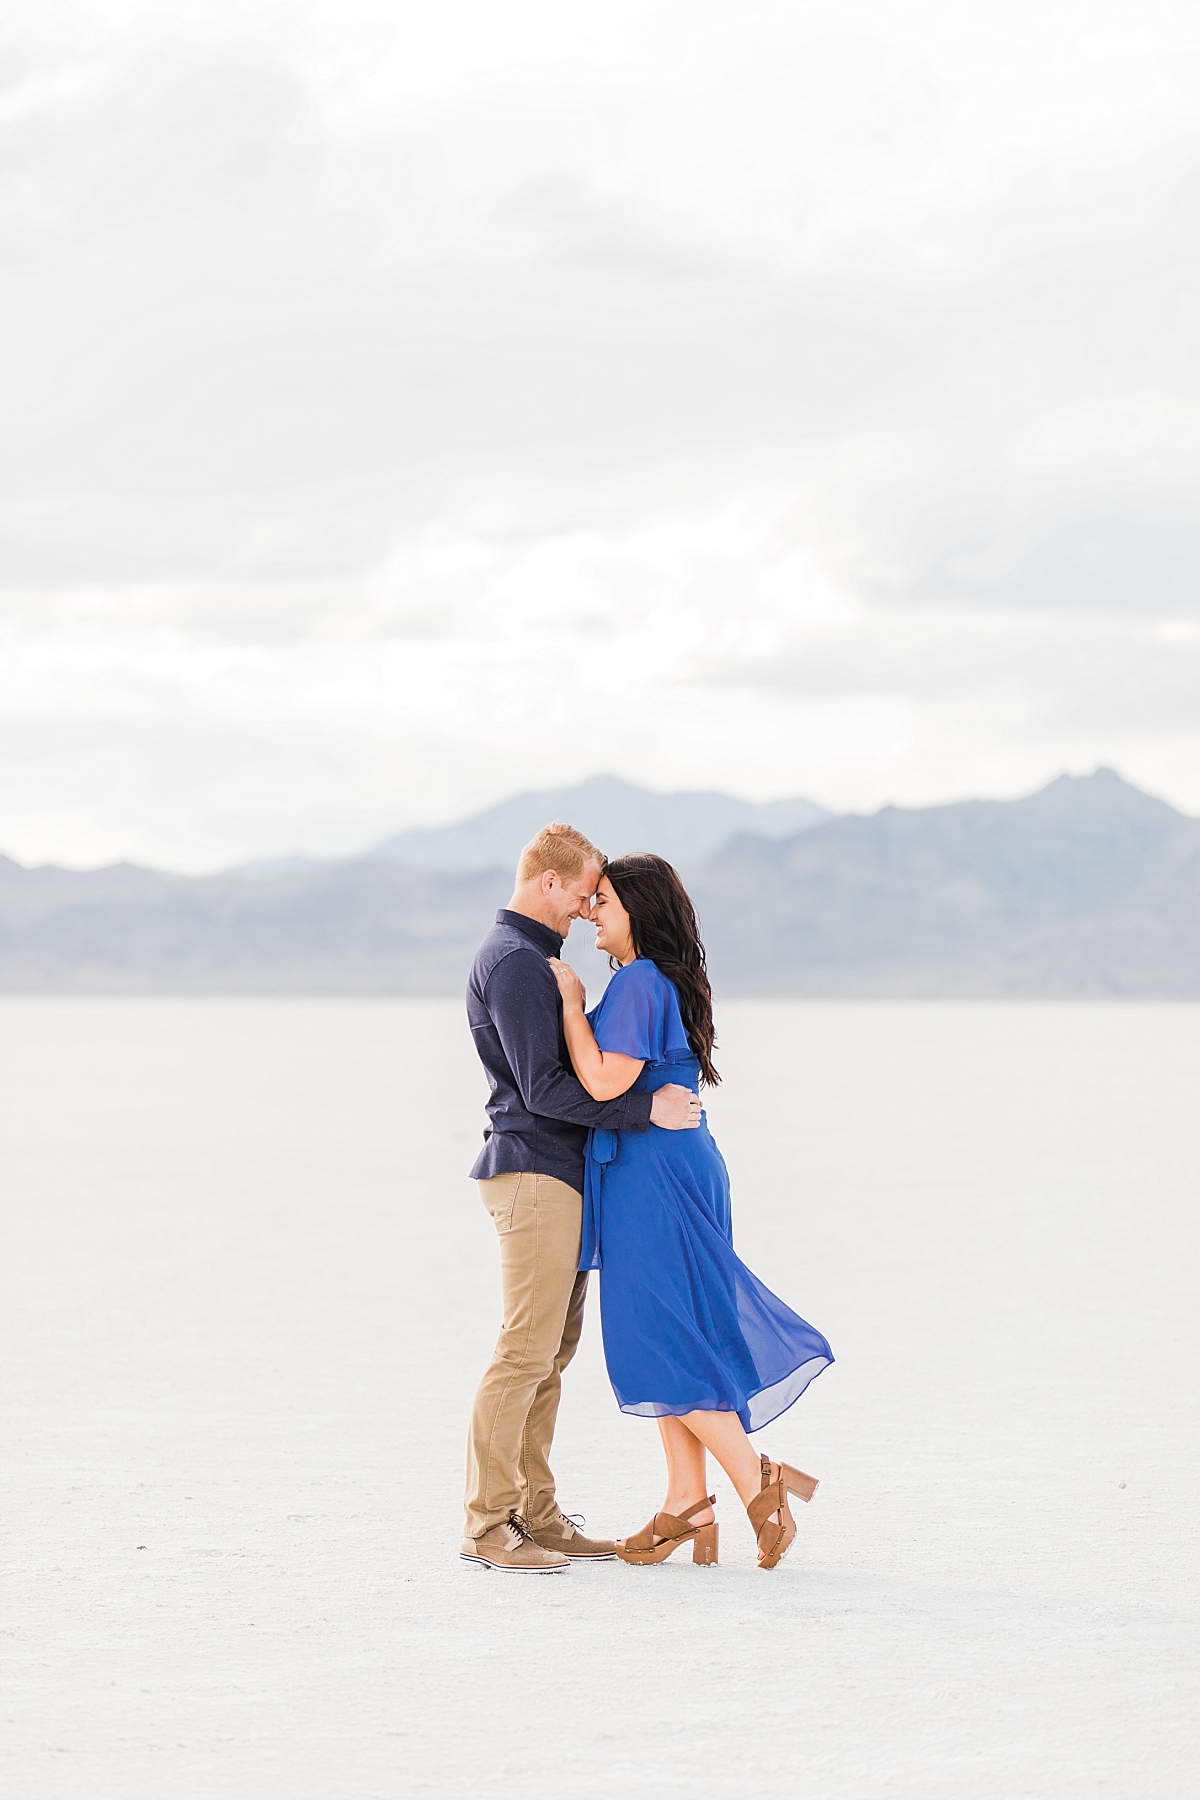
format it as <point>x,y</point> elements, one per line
<point>561,848</point>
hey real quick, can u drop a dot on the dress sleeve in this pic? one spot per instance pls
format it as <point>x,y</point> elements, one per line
<point>631,1021</point>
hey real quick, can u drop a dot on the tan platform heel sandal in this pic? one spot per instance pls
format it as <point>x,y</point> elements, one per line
<point>664,1534</point>
<point>775,1534</point>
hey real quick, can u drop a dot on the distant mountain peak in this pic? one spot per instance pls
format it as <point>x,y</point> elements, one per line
<point>686,827</point>
<point>1104,791</point>
<point>1099,777</point>
<point>1101,790</point>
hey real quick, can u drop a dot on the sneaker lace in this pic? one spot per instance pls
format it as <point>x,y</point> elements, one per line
<point>524,1530</point>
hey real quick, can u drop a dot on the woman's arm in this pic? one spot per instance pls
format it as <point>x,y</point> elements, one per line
<point>604,1073</point>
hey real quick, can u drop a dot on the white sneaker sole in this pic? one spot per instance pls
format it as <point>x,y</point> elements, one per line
<point>481,1562</point>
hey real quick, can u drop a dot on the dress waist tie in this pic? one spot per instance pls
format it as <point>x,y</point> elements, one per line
<point>602,1149</point>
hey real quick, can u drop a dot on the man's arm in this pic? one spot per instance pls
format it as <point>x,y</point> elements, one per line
<point>522,998</point>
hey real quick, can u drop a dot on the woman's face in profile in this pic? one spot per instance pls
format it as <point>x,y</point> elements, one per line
<point>613,932</point>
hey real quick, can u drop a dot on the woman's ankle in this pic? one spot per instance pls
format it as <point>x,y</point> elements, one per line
<point>703,1515</point>
<point>746,1480</point>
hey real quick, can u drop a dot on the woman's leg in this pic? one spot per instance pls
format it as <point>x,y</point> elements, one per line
<point>687,1474</point>
<point>724,1434</point>
<point>685,1441</point>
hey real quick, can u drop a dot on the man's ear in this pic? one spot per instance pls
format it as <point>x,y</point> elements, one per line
<point>549,877</point>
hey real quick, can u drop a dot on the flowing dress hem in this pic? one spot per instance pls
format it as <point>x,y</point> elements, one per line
<point>756,1411</point>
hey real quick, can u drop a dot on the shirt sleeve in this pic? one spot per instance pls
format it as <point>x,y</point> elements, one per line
<point>522,998</point>
<point>630,1023</point>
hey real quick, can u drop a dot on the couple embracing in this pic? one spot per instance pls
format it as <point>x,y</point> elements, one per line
<point>598,1156</point>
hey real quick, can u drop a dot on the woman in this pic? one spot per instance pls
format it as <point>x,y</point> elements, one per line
<point>691,1337</point>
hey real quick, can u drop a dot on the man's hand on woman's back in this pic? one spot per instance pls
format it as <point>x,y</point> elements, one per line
<point>675,1108</point>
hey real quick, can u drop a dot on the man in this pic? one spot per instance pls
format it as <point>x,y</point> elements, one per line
<point>530,1175</point>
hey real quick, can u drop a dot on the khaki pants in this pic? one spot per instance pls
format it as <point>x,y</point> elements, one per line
<point>538,1220</point>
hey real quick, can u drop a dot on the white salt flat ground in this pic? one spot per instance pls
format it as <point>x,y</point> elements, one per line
<point>247,1292</point>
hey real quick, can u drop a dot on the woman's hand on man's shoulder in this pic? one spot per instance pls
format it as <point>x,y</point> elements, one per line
<point>573,992</point>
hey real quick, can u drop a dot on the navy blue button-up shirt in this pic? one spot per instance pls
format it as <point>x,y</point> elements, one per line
<point>538,1113</point>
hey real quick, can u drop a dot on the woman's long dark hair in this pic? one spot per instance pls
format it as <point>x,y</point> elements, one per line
<point>663,922</point>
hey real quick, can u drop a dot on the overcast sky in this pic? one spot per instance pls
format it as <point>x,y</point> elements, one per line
<point>408,404</point>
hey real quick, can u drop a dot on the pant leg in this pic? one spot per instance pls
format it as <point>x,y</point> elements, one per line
<point>538,1503</point>
<point>538,1223</point>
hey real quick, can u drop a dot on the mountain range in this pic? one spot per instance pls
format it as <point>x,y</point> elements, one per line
<point>686,828</point>
<point>1087,888</point>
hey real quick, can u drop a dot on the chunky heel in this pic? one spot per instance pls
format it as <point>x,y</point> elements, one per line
<point>796,1482</point>
<point>704,1546</point>
<point>769,1513</point>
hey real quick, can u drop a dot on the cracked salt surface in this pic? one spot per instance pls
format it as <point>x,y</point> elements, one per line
<point>248,1292</point>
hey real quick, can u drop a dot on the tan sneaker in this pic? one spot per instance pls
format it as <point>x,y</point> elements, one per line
<point>564,1535</point>
<point>511,1546</point>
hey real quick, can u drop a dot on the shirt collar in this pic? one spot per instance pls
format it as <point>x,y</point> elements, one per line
<point>546,940</point>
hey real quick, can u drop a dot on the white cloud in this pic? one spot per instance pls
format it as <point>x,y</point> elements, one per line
<point>796,401</point>
<point>698,651</point>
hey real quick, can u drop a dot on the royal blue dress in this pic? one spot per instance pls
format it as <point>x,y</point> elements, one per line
<point>686,1325</point>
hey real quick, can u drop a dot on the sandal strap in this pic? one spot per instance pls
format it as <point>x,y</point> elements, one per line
<point>677,1524</point>
<point>772,1499</point>
<point>668,1525</point>
<point>643,1539</point>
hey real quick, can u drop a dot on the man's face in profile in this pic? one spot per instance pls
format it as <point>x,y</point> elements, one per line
<point>572,899</point>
